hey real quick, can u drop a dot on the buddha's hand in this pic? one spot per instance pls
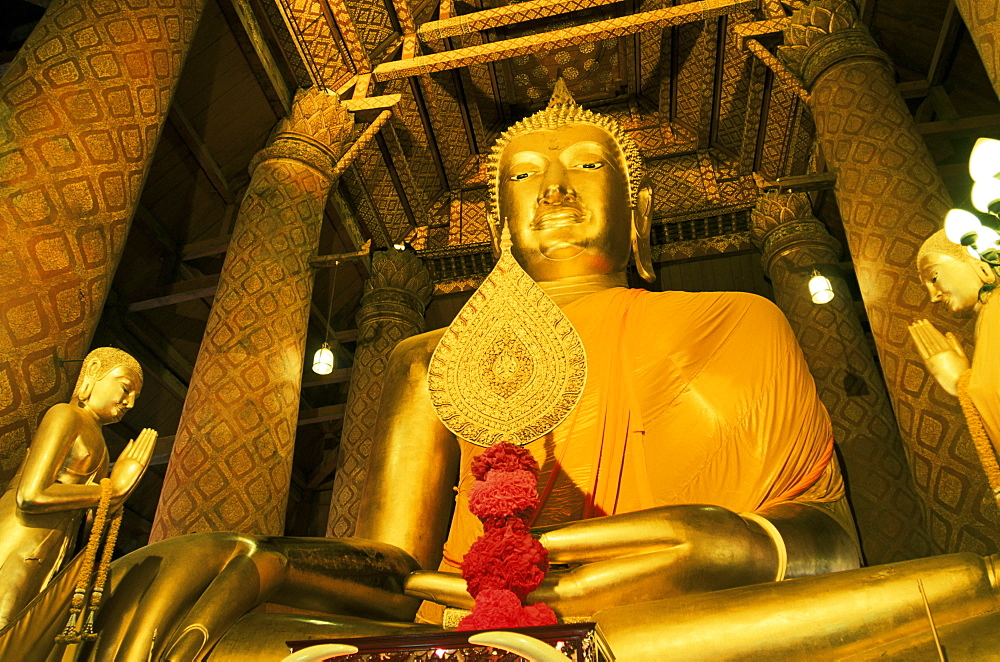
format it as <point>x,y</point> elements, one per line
<point>634,557</point>
<point>941,353</point>
<point>131,464</point>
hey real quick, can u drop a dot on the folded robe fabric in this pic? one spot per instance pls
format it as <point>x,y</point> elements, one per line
<point>691,398</point>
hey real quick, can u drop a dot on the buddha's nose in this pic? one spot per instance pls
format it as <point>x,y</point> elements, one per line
<point>934,293</point>
<point>556,193</point>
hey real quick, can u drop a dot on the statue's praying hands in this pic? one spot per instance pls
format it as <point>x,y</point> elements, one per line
<point>941,353</point>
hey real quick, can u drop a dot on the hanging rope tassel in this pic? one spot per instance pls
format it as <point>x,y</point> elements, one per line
<point>73,633</point>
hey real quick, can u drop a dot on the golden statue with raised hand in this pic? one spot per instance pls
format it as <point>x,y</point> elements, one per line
<point>59,479</point>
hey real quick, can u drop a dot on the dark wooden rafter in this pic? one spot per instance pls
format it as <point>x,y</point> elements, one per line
<point>206,247</point>
<point>187,290</point>
<point>758,157</point>
<point>946,47</point>
<point>178,119</point>
<point>721,35</point>
<point>432,142</point>
<point>397,184</point>
<point>321,414</point>
<point>249,34</point>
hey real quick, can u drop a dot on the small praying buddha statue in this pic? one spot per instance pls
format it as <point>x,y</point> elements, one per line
<point>964,284</point>
<point>59,479</point>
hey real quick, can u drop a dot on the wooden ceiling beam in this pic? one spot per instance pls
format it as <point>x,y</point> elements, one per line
<point>195,288</point>
<point>501,16</point>
<point>258,54</point>
<point>321,414</point>
<point>200,152</point>
<point>574,36</point>
<point>336,377</point>
<point>971,125</point>
<point>205,247</point>
<point>946,48</point>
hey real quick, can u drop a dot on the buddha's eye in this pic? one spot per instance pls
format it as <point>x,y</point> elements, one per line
<point>591,166</point>
<point>519,176</point>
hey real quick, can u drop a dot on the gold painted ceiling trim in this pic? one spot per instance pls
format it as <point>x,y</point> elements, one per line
<point>781,72</point>
<point>501,16</point>
<point>574,36</point>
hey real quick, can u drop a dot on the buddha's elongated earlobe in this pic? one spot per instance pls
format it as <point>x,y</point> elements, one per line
<point>642,216</point>
<point>91,370</point>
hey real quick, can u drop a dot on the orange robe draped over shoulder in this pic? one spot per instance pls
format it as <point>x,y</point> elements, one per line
<point>691,398</point>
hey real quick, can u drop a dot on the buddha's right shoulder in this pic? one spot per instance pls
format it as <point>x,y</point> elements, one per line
<point>62,413</point>
<point>418,348</point>
<point>62,409</point>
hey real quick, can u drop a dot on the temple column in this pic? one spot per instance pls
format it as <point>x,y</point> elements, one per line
<point>982,18</point>
<point>392,308</point>
<point>891,198</point>
<point>231,461</point>
<point>887,510</point>
<point>81,109</point>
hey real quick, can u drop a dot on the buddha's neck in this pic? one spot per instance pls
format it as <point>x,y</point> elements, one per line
<point>567,290</point>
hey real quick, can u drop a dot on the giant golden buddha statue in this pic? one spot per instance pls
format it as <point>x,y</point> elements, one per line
<point>696,460</point>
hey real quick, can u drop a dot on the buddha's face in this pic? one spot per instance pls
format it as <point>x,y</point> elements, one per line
<point>114,394</point>
<point>565,196</point>
<point>954,282</point>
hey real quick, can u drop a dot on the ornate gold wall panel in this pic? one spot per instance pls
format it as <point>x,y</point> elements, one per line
<point>734,98</point>
<point>693,93</point>
<point>982,17</point>
<point>448,126</point>
<point>392,308</point>
<point>81,108</point>
<point>319,46</point>
<point>571,36</point>
<point>891,198</point>
<point>231,462</point>
<point>413,141</point>
<point>886,507</point>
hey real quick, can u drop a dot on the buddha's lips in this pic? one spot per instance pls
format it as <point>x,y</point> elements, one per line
<point>548,217</point>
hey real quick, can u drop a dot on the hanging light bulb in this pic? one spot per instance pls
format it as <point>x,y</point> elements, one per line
<point>984,162</point>
<point>987,244</point>
<point>820,288</point>
<point>985,194</point>
<point>323,360</point>
<point>962,227</point>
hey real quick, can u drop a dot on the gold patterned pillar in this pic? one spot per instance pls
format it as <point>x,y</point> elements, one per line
<point>886,508</point>
<point>982,18</point>
<point>891,198</point>
<point>392,308</point>
<point>80,114</point>
<point>232,458</point>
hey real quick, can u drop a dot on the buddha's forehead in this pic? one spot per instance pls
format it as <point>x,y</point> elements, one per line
<point>561,138</point>
<point>125,372</point>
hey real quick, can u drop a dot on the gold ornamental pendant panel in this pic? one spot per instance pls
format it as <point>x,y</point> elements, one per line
<point>511,367</point>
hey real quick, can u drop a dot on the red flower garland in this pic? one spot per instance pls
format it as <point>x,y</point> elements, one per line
<point>505,564</point>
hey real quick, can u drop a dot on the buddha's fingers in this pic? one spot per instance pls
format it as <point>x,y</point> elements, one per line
<point>956,345</point>
<point>934,341</point>
<point>442,587</point>
<point>918,337</point>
